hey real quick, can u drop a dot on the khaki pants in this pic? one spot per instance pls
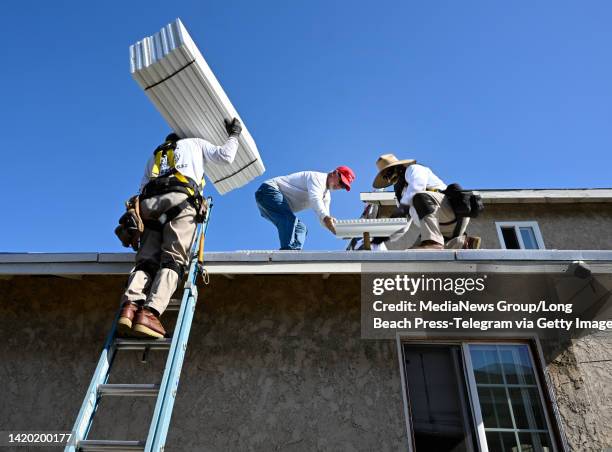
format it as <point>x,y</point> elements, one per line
<point>433,227</point>
<point>169,249</point>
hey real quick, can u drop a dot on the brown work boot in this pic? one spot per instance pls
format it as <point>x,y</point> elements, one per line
<point>146,324</point>
<point>126,317</point>
<point>472,243</point>
<point>429,245</point>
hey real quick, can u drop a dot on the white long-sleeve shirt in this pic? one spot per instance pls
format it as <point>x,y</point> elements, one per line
<point>303,190</point>
<point>191,155</point>
<point>419,178</point>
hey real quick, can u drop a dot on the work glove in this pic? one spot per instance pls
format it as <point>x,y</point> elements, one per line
<point>233,127</point>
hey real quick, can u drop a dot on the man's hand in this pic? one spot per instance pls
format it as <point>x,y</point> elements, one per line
<point>329,224</point>
<point>233,127</point>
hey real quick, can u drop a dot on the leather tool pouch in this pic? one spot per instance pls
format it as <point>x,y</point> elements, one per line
<point>130,227</point>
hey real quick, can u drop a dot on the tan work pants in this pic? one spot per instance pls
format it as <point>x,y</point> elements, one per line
<point>431,229</point>
<point>169,248</point>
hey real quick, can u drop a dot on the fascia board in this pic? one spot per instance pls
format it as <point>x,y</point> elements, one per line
<point>518,196</point>
<point>31,258</point>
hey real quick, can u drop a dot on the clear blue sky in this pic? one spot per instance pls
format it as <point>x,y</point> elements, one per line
<point>492,94</point>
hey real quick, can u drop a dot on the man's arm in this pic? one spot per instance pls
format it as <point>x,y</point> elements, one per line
<point>147,172</point>
<point>225,154</point>
<point>316,192</point>
<point>329,221</point>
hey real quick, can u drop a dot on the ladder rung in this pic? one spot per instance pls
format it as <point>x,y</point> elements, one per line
<point>128,390</point>
<point>141,344</point>
<point>107,445</point>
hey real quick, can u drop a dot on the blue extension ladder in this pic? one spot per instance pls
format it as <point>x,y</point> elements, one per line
<point>165,392</point>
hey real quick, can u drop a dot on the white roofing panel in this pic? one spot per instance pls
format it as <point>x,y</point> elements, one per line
<point>381,227</point>
<point>181,85</point>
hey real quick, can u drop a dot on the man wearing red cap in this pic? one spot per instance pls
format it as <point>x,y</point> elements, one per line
<point>279,198</point>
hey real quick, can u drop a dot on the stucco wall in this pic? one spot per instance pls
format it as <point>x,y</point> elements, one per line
<point>563,226</point>
<point>274,363</point>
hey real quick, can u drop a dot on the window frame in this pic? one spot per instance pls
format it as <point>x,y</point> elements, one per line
<point>517,225</point>
<point>475,401</point>
<point>547,396</point>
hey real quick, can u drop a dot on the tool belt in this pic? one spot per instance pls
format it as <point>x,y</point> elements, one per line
<point>465,203</point>
<point>131,226</point>
<point>171,183</point>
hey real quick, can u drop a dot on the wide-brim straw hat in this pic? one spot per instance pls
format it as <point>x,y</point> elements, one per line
<point>385,162</point>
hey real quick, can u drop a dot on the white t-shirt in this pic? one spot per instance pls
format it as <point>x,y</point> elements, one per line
<point>190,156</point>
<point>303,190</point>
<point>419,178</point>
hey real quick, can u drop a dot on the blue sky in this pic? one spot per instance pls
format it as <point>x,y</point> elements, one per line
<point>490,94</point>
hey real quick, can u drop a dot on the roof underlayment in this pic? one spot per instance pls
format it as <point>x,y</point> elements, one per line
<point>174,75</point>
<point>320,262</point>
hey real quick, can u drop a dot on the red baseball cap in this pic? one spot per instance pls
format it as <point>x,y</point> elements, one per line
<point>347,176</point>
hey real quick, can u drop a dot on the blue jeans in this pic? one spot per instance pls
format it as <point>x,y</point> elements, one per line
<point>274,207</point>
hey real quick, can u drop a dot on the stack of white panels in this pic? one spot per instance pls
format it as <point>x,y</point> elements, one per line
<point>177,79</point>
<point>381,227</point>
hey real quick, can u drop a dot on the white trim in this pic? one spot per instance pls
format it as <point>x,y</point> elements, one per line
<point>515,196</point>
<point>319,262</point>
<point>474,400</point>
<point>474,390</point>
<point>520,224</point>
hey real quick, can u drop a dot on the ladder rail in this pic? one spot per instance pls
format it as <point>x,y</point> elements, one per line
<point>160,424</point>
<point>90,404</point>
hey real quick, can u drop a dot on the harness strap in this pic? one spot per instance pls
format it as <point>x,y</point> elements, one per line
<point>167,216</point>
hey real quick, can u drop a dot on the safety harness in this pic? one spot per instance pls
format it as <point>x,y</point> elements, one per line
<point>166,178</point>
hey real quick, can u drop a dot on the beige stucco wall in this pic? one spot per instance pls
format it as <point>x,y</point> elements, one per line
<point>274,363</point>
<point>563,226</point>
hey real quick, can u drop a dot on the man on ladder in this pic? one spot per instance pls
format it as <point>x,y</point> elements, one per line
<point>170,205</point>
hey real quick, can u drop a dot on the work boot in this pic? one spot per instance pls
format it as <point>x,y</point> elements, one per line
<point>126,317</point>
<point>472,243</point>
<point>428,245</point>
<point>146,324</point>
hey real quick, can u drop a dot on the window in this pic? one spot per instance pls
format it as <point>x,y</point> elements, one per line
<point>475,397</point>
<point>519,235</point>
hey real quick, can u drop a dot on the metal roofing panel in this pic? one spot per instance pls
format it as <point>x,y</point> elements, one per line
<point>381,227</point>
<point>183,88</point>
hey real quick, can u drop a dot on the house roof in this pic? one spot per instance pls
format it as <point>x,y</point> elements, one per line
<point>517,196</point>
<point>320,262</point>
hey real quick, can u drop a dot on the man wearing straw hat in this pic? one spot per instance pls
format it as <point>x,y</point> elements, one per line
<point>419,192</point>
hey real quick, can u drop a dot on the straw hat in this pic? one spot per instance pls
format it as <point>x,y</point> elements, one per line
<point>384,162</point>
